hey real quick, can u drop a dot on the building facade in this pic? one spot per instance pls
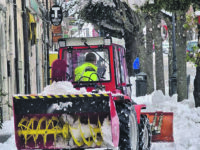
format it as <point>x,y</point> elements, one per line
<point>7,59</point>
<point>24,41</point>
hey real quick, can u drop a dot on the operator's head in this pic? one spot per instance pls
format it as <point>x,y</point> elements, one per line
<point>90,57</point>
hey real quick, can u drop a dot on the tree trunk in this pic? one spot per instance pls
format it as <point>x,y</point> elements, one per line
<point>181,57</point>
<point>131,52</point>
<point>135,45</point>
<point>149,55</point>
<point>140,41</point>
<point>170,53</point>
<point>160,84</point>
<point>141,49</point>
<point>196,91</point>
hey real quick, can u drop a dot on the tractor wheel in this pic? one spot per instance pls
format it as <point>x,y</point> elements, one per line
<point>145,133</point>
<point>129,133</point>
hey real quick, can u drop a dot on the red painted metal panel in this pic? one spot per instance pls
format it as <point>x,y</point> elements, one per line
<point>114,123</point>
<point>138,111</point>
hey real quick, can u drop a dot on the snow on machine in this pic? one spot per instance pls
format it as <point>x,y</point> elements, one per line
<point>104,117</point>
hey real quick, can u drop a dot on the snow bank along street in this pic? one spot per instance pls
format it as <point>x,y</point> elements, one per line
<point>186,120</point>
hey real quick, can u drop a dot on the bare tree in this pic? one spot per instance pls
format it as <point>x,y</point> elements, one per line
<point>181,56</point>
<point>149,54</point>
<point>170,53</point>
<point>160,84</point>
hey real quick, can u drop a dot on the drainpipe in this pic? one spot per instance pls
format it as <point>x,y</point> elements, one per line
<point>37,69</point>
<point>26,50</point>
<point>47,17</point>
<point>16,47</point>
<point>44,47</point>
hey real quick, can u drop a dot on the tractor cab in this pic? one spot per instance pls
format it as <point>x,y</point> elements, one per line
<point>107,72</point>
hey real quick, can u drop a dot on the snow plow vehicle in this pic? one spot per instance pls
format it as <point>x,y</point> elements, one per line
<point>104,117</point>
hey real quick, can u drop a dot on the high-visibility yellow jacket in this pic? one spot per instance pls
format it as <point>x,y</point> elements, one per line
<point>87,71</point>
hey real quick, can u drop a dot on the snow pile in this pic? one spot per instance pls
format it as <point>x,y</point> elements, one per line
<point>133,3</point>
<point>74,6</point>
<point>60,106</point>
<point>76,127</point>
<point>65,88</point>
<point>75,131</point>
<point>109,3</point>
<point>62,88</point>
<point>186,120</point>
<point>106,131</point>
<point>8,129</point>
<point>10,143</point>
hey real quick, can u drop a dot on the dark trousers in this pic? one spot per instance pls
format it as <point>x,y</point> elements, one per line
<point>196,91</point>
<point>136,71</point>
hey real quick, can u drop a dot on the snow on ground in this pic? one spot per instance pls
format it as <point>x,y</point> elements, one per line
<point>186,120</point>
<point>186,117</point>
<point>62,88</point>
<point>8,128</point>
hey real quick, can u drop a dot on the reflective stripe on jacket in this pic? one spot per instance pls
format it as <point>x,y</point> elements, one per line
<point>87,70</point>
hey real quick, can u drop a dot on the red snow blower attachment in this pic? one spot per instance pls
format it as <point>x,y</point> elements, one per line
<point>61,121</point>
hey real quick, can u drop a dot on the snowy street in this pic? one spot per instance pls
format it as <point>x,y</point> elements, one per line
<point>74,74</point>
<point>186,119</point>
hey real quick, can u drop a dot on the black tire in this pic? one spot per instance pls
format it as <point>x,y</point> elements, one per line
<point>129,132</point>
<point>145,133</point>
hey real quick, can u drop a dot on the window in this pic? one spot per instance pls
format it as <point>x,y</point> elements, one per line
<point>116,61</point>
<point>76,58</point>
<point>124,71</point>
<point>121,74</point>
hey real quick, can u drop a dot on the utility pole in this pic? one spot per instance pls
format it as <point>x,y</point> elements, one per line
<point>173,78</point>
